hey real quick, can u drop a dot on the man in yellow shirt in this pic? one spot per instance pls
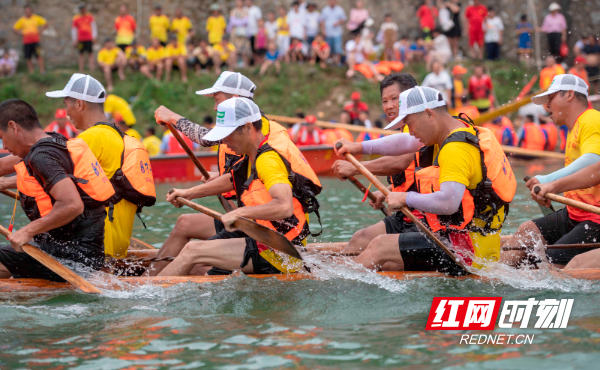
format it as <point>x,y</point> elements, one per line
<point>224,55</point>
<point>159,25</point>
<point>84,100</point>
<point>215,25</point>
<point>30,26</point>
<point>120,123</point>
<point>111,58</point>
<point>116,105</point>
<point>151,142</point>
<point>182,26</point>
<point>451,193</point>
<point>175,54</point>
<point>155,58</point>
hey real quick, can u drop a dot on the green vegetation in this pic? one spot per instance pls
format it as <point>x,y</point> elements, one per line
<point>298,88</point>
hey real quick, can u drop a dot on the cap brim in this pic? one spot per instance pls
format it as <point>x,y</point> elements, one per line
<point>395,122</point>
<point>207,92</point>
<point>219,133</point>
<point>56,94</point>
<point>542,98</point>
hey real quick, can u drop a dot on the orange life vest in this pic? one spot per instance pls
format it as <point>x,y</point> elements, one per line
<point>534,138</point>
<point>470,111</point>
<point>250,191</point>
<point>69,131</point>
<point>552,133</point>
<point>328,136</point>
<point>93,185</point>
<point>496,190</point>
<point>305,138</point>
<point>342,133</point>
<point>405,180</point>
<point>500,130</point>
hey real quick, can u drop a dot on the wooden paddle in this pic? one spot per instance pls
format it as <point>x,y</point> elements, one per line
<point>350,158</point>
<point>545,210</point>
<point>11,194</point>
<point>55,266</point>
<point>251,228</point>
<point>569,202</point>
<point>325,124</point>
<point>371,196</point>
<point>227,205</point>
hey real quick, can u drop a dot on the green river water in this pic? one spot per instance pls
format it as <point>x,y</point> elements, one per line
<point>349,318</point>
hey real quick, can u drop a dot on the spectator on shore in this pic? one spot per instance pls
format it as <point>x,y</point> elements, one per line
<point>135,55</point>
<point>182,27</point>
<point>388,34</point>
<point>62,125</point>
<point>440,80</point>
<point>357,17</point>
<point>440,49</point>
<point>271,26</point>
<point>427,13</point>
<point>224,55</point>
<point>30,27</point>
<point>552,70</point>
<point>238,31</point>
<point>175,56</point>
<point>480,89</point>
<point>159,25</point>
<point>215,25</point>
<point>475,15</point>
<point>125,26</point>
<point>283,33</point>
<point>155,56</point>
<point>295,53</point>
<point>494,32</point>
<point>115,106</point>
<point>8,66</point>
<point>524,30</point>
<point>357,61</point>
<point>320,51</point>
<point>459,93</point>
<point>312,21</point>
<point>151,142</point>
<point>555,27</point>
<point>402,49</point>
<point>254,15</point>
<point>578,47</point>
<point>591,51</point>
<point>579,69</point>
<point>271,58</point>
<point>261,41</point>
<point>111,58</point>
<point>203,54</point>
<point>297,22</point>
<point>332,18</point>
<point>417,51</point>
<point>83,34</point>
<point>355,106</point>
<point>450,23</point>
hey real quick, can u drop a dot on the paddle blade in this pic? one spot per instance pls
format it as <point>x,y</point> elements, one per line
<point>267,236</point>
<point>137,245</point>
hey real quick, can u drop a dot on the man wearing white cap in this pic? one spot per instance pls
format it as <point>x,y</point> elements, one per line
<point>271,182</point>
<point>566,101</point>
<point>461,199</point>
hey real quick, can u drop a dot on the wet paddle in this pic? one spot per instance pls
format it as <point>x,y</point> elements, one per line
<point>371,196</point>
<point>569,202</point>
<point>545,210</point>
<point>228,206</point>
<point>350,158</point>
<point>55,266</point>
<point>256,231</point>
<point>11,194</point>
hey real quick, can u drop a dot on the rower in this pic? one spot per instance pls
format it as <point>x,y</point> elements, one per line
<point>84,97</point>
<point>532,136</point>
<point>267,189</point>
<point>62,192</point>
<point>463,196</point>
<point>566,100</point>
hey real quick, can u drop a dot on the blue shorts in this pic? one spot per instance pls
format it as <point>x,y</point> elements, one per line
<point>335,44</point>
<point>525,43</point>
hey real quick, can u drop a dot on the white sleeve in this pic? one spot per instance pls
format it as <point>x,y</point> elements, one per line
<point>392,145</point>
<point>443,202</point>
<point>74,34</point>
<point>94,30</point>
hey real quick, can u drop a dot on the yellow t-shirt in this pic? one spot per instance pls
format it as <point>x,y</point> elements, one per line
<point>182,27</point>
<point>30,27</point>
<point>215,26</point>
<point>140,51</point>
<point>134,134</point>
<point>152,144</point>
<point>584,137</point>
<point>461,162</point>
<point>107,146</point>
<point>159,26</point>
<point>115,104</point>
<point>224,52</point>
<point>281,22</point>
<point>108,56</point>
<point>155,54</point>
<point>175,51</point>
<point>459,90</point>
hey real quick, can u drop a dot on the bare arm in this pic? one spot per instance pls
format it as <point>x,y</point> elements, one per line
<point>217,186</point>
<point>7,164</point>
<point>8,182</point>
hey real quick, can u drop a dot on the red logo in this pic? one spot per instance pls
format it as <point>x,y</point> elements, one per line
<point>463,313</point>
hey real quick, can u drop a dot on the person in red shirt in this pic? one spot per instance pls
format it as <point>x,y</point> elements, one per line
<point>84,33</point>
<point>427,14</point>
<point>308,133</point>
<point>125,26</point>
<point>62,125</point>
<point>475,15</point>
<point>319,51</point>
<point>480,89</point>
<point>355,106</point>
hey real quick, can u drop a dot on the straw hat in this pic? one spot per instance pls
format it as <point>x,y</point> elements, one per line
<point>553,7</point>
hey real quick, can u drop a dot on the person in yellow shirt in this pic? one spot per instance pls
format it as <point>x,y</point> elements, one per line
<point>182,26</point>
<point>135,55</point>
<point>459,92</point>
<point>283,32</point>
<point>159,25</point>
<point>155,60</point>
<point>120,123</point>
<point>115,105</point>
<point>84,100</point>
<point>111,58</point>
<point>151,142</point>
<point>30,26</point>
<point>224,55</point>
<point>215,25</point>
<point>175,55</point>
<point>552,70</point>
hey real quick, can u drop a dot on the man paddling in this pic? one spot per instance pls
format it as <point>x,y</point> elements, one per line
<point>566,101</point>
<point>464,195</point>
<point>274,185</point>
<point>62,190</point>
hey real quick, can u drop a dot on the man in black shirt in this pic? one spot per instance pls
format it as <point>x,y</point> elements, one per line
<point>67,223</point>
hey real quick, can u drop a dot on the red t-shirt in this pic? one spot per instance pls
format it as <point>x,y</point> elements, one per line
<point>427,16</point>
<point>480,88</point>
<point>475,14</point>
<point>360,107</point>
<point>83,24</point>
<point>320,45</point>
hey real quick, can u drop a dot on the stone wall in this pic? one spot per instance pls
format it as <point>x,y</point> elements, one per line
<point>583,17</point>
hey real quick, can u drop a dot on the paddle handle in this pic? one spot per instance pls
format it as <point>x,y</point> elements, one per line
<point>197,207</point>
<point>371,196</point>
<point>55,266</point>
<point>569,202</point>
<point>11,194</point>
<point>551,208</point>
<point>375,181</point>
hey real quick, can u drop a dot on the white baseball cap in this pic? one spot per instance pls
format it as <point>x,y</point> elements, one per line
<point>553,7</point>
<point>81,87</point>
<point>564,82</point>
<point>231,83</point>
<point>416,100</point>
<point>231,114</point>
